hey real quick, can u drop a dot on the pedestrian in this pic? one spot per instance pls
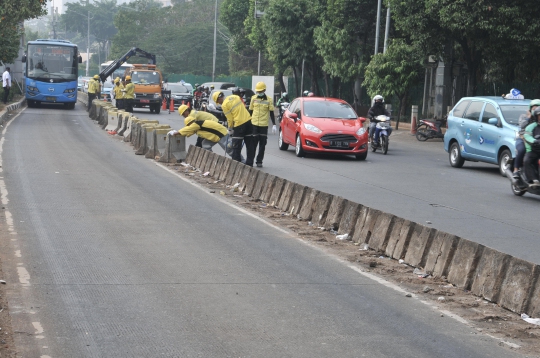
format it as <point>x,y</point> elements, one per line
<point>6,83</point>
<point>261,107</point>
<point>185,111</point>
<point>93,90</point>
<point>239,123</point>
<point>129,95</point>
<point>118,93</point>
<point>211,131</point>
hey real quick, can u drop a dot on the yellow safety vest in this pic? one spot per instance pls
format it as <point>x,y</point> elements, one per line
<point>235,111</point>
<point>130,91</point>
<point>206,129</point>
<point>261,108</point>
<point>203,116</point>
<point>118,94</point>
<point>93,86</point>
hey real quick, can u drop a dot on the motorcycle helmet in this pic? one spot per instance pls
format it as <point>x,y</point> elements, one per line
<point>235,91</point>
<point>242,92</point>
<point>378,98</point>
<point>197,85</point>
<point>305,93</point>
<point>534,102</point>
<point>536,113</point>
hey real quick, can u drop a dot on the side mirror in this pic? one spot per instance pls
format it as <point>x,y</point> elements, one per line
<point>23,59</point>
<point>493,121</point>
<point>362,119</point>
<point>294,116</point>
<point>80,59</point>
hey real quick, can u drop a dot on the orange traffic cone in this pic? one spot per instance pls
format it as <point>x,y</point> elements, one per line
<point>171,107</point>
<point>164,104</point>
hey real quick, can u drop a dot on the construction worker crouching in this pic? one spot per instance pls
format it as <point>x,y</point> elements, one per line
<point>185,111</point>
<point>205,127</point>
<point>239,122</point>
<point>260,108</point>
<point>94,89</point>
<point>118,93</point>
<point>129,95</point>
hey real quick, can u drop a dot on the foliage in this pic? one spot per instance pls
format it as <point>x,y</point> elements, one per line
<point>12,14</point>
<point>395,71</point>
<point>232,14</point>
<point>181,36</point>
<point>345,38</point>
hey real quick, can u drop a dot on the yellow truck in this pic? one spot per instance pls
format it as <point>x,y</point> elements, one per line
<point>148,83</point>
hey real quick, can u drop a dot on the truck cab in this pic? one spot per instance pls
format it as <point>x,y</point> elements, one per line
<point>148,83</point>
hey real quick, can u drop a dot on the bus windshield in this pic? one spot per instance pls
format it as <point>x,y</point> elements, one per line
<point>52,62</point>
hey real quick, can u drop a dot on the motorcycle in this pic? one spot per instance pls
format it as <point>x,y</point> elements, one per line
<point>282,108</point>
<point>429,129</point>
<point>385,127</point>
<point>204,103</point>
<point>520,185</point>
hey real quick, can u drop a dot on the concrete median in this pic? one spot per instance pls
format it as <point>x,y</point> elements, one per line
<point>190,152</point>
<point>250,185</point>
<point>276,191</point>
<point>348,218</point>
<point>126,128</point>
<point>297,197</point>
<point>268,187</point>
<point>112,119</point>
<point>158,140</point>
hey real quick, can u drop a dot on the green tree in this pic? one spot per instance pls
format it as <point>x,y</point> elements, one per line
<point>394,72</point>
<point>12,14</point>
<point>477,32</point>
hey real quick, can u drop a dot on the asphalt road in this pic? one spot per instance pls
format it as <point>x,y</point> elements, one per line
<point>113,256</point>
<point>415,181</point>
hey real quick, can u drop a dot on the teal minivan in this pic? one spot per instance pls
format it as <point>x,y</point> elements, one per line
<point>484,129</point>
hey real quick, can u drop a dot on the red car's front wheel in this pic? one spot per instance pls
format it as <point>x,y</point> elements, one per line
<point>299,150</point>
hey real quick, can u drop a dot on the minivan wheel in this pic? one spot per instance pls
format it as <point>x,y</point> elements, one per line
<point>456,160</point>
<point>505,162</point>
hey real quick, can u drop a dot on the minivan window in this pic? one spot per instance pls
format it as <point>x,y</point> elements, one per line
<point>474,110</point>
<point>460,109</point>
<point>511,113</point>
<point>489,112</point>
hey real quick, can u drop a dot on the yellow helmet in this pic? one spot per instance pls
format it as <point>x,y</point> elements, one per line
<point>260,86</point>
<point>211,86</point>
<point>96,77</point>
<point>117,79</point>
<point>216,95</point>
<point>182,109</point>
<point>128,78</point>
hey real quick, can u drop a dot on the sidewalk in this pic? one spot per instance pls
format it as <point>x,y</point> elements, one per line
<point>5,113</point>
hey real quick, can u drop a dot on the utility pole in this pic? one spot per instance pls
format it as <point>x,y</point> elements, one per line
<point>379,5</point>
<point>87,39</point>
<point>215,32</point>
<point>387,32</point>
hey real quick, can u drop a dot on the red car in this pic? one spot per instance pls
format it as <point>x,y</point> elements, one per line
<point>323,125</point>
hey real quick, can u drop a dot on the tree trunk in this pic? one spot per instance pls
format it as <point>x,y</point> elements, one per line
<point>473,57</point>
<point>281,82</point>
<point>335,86</point>
<point>314,83</point>
<point>326,85</point>
<point>296,81</point>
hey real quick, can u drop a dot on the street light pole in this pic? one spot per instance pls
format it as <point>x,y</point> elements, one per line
<point>88,42</point>
<point>215,32</point>
<point>378,26</point>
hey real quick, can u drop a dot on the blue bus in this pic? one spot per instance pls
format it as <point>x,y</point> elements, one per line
<point>51,72</point>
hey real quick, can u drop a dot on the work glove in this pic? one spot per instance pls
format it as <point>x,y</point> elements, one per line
<point>274,129</point>
<point>172,133</point>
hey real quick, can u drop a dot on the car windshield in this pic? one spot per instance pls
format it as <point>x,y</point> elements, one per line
<point>511,113</point>
<point>177,88</point>
<point>328,109</point>
<point>145,77</point>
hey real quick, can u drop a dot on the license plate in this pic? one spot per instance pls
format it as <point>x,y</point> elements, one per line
<point>339,144</point>
<point>145,101</point>
<point>53,99</point>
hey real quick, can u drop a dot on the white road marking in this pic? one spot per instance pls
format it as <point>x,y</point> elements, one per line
<point>24,276</point>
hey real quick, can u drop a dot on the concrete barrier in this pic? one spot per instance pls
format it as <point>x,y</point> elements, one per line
<point>296,199</point>
<point>286,195</point>
<point>132,122</point>
<point>122,117</point>
<point>419,245</point>
<point>306,207</point>
<point>320,208</point>
<point>112,119</point>
<point>175,150</point>
<point>441,254</point>
<point>268,187</point>
<point>158,142</point>
<point>498,277</point>
<point>517,285</point>
<point>381,232</point>
<point>145,131</point>
<point>208,163</point>
<point>190,152</point>
<point>250,185</point>
<point>490,274</point>
<point>464,263</point>
<point>103,118</point>
<point>259,184</point>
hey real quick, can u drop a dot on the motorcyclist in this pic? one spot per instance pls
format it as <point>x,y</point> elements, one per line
<point>531,137</point>
<point>375,111</point>
<point>283,99</point>
<point>195,88</point>
<point>197,97</point>
<point>524,121</point>
<point>305,93</point>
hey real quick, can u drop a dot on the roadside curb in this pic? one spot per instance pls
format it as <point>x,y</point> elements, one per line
<point>14,106</point>
<point>500,278</point>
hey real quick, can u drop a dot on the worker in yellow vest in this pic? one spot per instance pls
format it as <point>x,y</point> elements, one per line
<point>261,107</point>
<point>118,94</point>
<point>94,89</point>
<point>129,94</point>
<point>239,122</point>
